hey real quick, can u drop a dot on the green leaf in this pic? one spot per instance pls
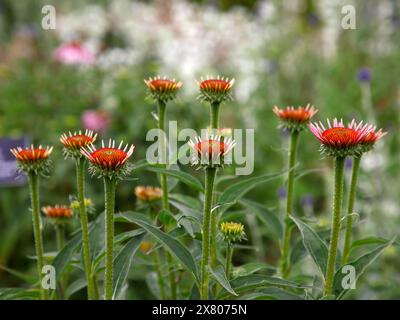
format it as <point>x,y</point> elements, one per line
<point>64,256</point>
<point>76,286</point>
<point>257,281</point>
<point>360,265</point>
<point>269,218</point>
<point>181,176</point>
<point>172,245</point>
<point>250,268</point>
<point>20,275</point>
<point>122,263</point>
<point>219,275</point>
<point>234,192</point>
<point>19,294</point>
<point>315,246</point>
<point>271,294</point>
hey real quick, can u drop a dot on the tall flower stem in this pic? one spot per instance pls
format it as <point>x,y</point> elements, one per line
<point>228,264</point>
<point>350,208</point>
<point>209,185</point>
<point>37,232</point>
<point>214,124</point>
<point>164,187</point>
<point>80,180</point>
<point>60,238</point>
<point>285,258</point>
<point>160,279</point>
<point>109,189</point>
<point>337,205</point>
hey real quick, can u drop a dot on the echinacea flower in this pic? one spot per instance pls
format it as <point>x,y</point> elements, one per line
<point>57,212</point>
<point>338,140</point>
<point>147,193</point>
<point>232,231</point>
<point>364,75</point>
<point>96,120</point>
<point>215,90</point>
<point>295,119</point>
<point>33,159</point>
<point>73,142</point>
<point>145,247</point>
<point>163,89</point>
<point>74,53</point>
<point>109,161</point>
<point>211,152</point>
<point>367,143</point>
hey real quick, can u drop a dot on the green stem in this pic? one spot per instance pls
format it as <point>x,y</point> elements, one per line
<point>80,180</point>
<point>228,265</point>
<point>214,124</point>
<point>350,208</point>
<point>163,153</point>
<point>37,232</point>
<point>337,205</point>
<point>109,188</point>
<point>209,185</point>
<point>288,226</point>
<point>160,279</point>
<point>164,186</point>
<point>60,237</point>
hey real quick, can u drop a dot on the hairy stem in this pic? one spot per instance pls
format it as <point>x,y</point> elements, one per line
<point>350,208</point>
<point>287,231</point>
<point>228,264</point>
<point>109,188</point>
<point>160,279</point>
<point>337,205</point>
<point>80,180</point>
<point>37,230</point>
<point>209,185</point>
<point>214,124</point>
<point>164,187</point>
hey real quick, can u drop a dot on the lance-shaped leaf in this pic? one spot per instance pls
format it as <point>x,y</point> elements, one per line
<point>184,177</point>
<point>219,275</point>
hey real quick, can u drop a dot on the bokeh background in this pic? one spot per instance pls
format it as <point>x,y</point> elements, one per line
<point>280,53</point>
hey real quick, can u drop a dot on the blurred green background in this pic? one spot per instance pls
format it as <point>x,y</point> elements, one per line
<point>280,53</point>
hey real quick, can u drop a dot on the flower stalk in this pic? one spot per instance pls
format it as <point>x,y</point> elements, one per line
<point>214,125</point>
<point>288,225</point>
<point>337,205</point>
<point>210,174</point>
<point>80,179</point>
<point>228,264</point>
<point>110,185</point>
<point>350,208</point>
<point>33,179</point>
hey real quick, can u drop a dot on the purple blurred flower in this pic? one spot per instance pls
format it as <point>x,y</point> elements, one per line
<point>364,74</point>
<point>307,201</point>
<point>74,53</point>
<point>282,193</point>
<point>349,164</point>
<point>312,19</point>
<point>96,120</point>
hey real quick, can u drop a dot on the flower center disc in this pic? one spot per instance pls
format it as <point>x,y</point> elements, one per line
<point>32,155</point>
<point>162,84</point>
<point>212,147</point>
<point>109,156</point>
<point>214,84</point>
<point>79,140</point>
<point>340,135</point>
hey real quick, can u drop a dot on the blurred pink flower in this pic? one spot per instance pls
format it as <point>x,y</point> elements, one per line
<point>74,53</point>
<point>96,120</point>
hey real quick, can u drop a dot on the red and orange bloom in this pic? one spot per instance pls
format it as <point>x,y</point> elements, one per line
<point>57,212</point>
<point>33,159</point>
<point>369,140</point>
<point>73,142</point>
<point>109,161</point>
<point>163,89</point>
<point>211,152</point>
<point>340,141</point>
<point>215,90</point>
<point>295,119</point>
<point>147,193</point>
